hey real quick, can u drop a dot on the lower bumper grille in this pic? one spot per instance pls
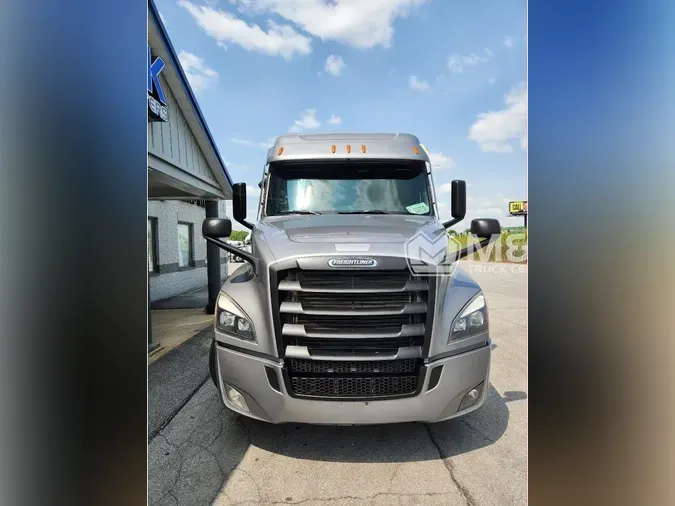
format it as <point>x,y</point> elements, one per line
<point>367,387</point>
<point>368,379</point>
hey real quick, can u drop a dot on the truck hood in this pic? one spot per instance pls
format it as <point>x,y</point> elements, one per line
<point>299,235</point>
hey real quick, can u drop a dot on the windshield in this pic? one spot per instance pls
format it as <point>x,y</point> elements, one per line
<point>391,187</point>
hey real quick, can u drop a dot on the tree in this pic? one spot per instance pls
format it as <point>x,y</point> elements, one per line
<point>238,235</point>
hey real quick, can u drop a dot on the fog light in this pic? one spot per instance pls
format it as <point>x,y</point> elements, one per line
<point>235,398</point>
<point>471,398</point>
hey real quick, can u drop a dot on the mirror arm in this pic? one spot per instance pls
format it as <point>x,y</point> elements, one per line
<point>464,252</point>
<point>240,253</point>
<point>450,223</point>
<point>247,224</point>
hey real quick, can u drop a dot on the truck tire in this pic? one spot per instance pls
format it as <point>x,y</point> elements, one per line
<point>213,366</point>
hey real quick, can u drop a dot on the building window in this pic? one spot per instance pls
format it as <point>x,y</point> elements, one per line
<point>185,246</point>
<point>153,258</point>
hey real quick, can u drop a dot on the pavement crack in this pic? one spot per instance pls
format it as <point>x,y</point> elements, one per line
<point>167,441</point>
<point>180,470</point>
<point>468,497</point>
<point>255,484</point>
<point>354,498</point>
<point>393,475</point>
<point>479,432</point>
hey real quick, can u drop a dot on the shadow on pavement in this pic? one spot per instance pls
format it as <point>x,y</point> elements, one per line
<point>174,378</point>
<point>384,443</point>
<point>194,299</point>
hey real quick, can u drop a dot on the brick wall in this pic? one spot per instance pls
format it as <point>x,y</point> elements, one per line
<point>172,280</point>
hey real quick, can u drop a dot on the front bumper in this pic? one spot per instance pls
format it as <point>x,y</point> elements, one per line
<point>461,373</point>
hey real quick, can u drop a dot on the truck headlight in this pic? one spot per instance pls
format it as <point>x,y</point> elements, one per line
<point>471,320</point>
<point>231,319</point>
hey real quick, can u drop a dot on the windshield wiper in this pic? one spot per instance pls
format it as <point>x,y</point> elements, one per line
<point>296,211</point>
<point>369,211</point>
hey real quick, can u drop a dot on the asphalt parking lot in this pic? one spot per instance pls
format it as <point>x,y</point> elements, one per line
<point>204,454</point>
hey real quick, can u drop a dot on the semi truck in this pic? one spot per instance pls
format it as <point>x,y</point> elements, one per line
<point>340,313</point>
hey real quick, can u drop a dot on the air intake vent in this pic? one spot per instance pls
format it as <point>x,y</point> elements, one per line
<point>367,388</point>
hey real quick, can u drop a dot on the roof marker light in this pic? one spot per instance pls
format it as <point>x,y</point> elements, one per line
<point>332,148</point>
<point>416,150</point>
<point>281,150</point>
<point>363,148</point>
<point>349,148</point>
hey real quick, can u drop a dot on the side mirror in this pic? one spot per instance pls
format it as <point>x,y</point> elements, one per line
<point>239,201</point>
<point>458,205</point>
<point>485,228</point>
<point>217,228</point>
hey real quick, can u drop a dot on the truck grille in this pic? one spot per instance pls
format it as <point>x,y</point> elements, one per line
<point>361,387</point>
<point>351,313</point>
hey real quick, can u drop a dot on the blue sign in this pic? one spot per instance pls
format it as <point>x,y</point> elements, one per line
<point>158,109</point>
<point>154,84</point>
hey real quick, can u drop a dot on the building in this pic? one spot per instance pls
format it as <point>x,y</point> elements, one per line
<point>187,178</point>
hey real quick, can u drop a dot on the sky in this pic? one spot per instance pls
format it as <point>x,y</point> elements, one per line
<point>452,73</point>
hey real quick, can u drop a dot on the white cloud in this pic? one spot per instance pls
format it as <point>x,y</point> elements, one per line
<point>252,144</point>
<point>200,75</point>
<point>236,166</point>
<point>443,189</point>
<point>417,85</point>
<point>334,65</point>
<point>441,161</point>
<point>307,121</point>
<point>334,120</point>
<point>280,40</point>
<point>493,130</point>
<point>252,191</point>
<point>508,41</point>
<point>457,62</point>
<point>357,23</point>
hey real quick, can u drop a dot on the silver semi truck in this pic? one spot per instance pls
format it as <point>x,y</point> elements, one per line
<point>341,313</point>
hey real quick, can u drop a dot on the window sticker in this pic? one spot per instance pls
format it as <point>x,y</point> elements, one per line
<point>420,208</point>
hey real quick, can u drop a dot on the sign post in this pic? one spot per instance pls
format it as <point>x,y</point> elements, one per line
<point>518,208</point>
